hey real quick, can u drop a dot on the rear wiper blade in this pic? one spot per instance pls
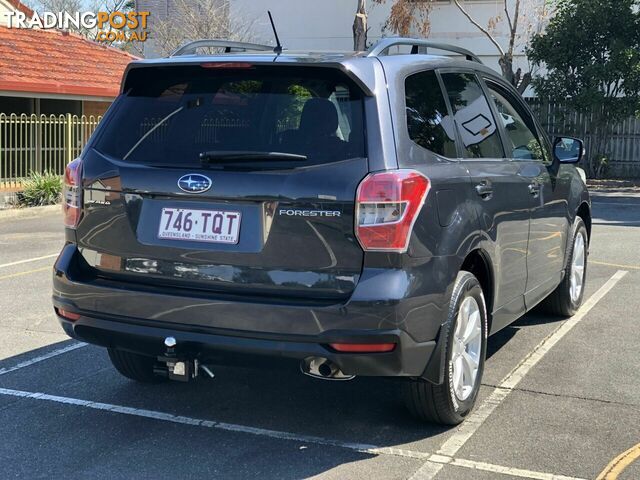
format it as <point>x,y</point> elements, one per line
<point>215,156</point>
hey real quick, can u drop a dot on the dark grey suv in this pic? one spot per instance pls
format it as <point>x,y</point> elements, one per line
<point>376,213</point>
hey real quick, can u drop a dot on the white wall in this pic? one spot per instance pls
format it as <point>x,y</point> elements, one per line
<point>5,7</point>
<point>326,24</point>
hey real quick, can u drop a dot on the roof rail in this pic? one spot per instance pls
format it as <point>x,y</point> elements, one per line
<point>191,47</point>
<point>380,47</point>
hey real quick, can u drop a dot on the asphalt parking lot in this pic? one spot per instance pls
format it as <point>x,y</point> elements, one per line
<point>560,398</point>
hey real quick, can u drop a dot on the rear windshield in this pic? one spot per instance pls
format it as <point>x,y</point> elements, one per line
<point>173,115</point>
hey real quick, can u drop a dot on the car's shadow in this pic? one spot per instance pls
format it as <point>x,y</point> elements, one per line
<point>366,411</point>
<point>274,397</point>
<point>500,339</point>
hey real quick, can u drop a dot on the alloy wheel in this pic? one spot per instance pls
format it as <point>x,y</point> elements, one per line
<point>578,262</point>
<point>466,348</point>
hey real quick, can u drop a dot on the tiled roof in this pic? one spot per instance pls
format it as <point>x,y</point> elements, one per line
<point>56,62</point>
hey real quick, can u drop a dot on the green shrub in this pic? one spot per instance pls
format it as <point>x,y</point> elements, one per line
<point>40,189</point>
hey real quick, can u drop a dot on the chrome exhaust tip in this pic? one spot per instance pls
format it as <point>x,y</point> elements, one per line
<point>318,367</point>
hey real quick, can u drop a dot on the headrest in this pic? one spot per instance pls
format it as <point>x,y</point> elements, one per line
<point>319,116</point>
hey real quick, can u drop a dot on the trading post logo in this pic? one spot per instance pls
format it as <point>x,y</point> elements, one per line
<point>108,26</point>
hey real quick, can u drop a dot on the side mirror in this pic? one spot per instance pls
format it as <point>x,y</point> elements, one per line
<point>568,150</point>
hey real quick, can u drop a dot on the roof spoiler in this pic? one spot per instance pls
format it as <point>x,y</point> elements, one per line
<point>382,46</point>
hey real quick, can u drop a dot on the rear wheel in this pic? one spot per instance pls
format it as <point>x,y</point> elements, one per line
<point>568,296</point>
<point>465,350</point>
<point>134,366</point>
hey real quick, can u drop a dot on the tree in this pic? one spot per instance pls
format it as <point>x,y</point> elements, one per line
<point>360,28</point>
<point>197,20</point>
<point>591,51</point>
<point>522,18</point>
<point>95,6</point>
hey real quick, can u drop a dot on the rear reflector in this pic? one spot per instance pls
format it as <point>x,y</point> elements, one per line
<point>363,347</point>
<point>68,315</point>
<point>388,204</point>
<point>72,194</point>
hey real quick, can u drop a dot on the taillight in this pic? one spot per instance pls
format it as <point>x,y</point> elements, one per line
<point>387,206</point>
<point>72,194</point>
<point>68,315</point>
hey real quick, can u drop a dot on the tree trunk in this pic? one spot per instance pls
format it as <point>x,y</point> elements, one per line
<point>506,65</point>
<point>517,79</point>
<point>599,154</point>
<point>360,27</point>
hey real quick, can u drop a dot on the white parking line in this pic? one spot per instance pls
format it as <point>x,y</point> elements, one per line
<point>46,356</point>
<point>621,204</point>
<point>28,260</point>
<point>471,425</point>
<point>167,417</point>
<point>513,472</point>
<point>231,427</point>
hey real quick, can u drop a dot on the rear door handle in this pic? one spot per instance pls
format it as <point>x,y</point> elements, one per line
<point>484,189</point>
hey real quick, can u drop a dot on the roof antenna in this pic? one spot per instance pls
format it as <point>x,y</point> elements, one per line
<point>278,48</point>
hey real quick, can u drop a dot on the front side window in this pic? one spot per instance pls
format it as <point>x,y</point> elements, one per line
<point>522,143</point>
<point>473,117</point>
<point>427,117</point>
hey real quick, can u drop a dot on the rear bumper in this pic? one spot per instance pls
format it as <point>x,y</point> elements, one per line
<point>139,317</point>
<point>407,359</point>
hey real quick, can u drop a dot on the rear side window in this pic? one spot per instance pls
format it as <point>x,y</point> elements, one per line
<point>170,115</point>
<point>427,117</point>
<point>473,117</point>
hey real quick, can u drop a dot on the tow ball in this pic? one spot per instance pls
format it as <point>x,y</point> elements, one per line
<point>180,369</point>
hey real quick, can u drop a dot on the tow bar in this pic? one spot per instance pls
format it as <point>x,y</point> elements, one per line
<point>179,369</point>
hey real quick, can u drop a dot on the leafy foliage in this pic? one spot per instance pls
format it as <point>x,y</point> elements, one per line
<point>293,111</point>
<point>41,189</point>
<point>591,51</point>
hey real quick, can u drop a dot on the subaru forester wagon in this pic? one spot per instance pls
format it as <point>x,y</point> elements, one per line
<point>374,213</point>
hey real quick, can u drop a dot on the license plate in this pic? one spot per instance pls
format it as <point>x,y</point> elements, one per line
<point>216,226</point>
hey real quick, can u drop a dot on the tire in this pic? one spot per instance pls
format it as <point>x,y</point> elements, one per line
<point>134,366</point>
<point>442,403</point>
<point>561,301</point>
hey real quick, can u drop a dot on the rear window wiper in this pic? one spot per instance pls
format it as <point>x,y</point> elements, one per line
<point>219,156</point>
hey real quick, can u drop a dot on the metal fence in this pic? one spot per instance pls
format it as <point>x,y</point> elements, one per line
<point>40,143</point>
<point>622,148</point>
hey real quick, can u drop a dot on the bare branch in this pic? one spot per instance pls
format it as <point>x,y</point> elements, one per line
<point>506,11</point>
<point>479,27</point>
<point>203,19</point>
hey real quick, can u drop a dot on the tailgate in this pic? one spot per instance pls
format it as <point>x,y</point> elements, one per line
<point>228,177</point>
<point>284,233</point>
